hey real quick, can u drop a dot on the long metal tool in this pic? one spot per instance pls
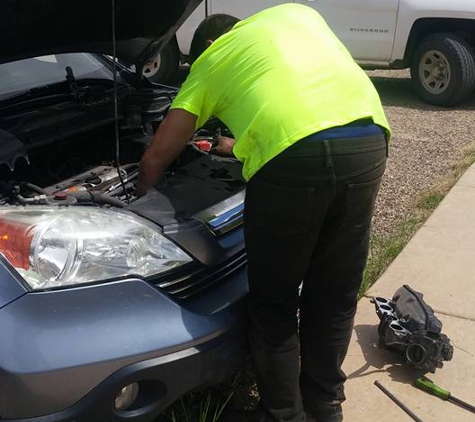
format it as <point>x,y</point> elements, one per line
<point>428,386</point>
<point>398,402</point>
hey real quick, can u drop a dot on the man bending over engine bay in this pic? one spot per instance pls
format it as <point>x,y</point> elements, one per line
<point>312,136</point>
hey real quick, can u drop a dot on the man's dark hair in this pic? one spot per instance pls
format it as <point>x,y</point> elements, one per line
<point>210,29</point>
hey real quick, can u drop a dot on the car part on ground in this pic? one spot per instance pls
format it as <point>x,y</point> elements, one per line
<point>443,69</point>
<point>409,325</point>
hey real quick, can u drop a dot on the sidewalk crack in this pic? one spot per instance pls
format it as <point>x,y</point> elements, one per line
<point>467,318</point>
<point>467,185</point>
<point>462,349</point>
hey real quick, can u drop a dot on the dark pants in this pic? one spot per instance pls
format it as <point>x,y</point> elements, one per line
<point>307,218</point>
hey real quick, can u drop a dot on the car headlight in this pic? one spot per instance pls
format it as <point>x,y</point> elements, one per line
<point>55,247</point>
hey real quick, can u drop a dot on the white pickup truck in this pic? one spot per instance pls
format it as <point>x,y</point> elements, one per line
<point>435,38</point>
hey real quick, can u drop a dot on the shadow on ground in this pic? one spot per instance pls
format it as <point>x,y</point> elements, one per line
<point>399,92</point>
<point>239,394</point>
<point>379,359</point>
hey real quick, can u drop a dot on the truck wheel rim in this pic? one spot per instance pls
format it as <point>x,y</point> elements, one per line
<point>150,69</point>
<point>434,72</point>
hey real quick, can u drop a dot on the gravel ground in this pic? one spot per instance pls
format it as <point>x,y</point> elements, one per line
<point>426,142</point>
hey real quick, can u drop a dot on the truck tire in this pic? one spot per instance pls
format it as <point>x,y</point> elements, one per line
<point>164,66</point>
<point>443,69</point>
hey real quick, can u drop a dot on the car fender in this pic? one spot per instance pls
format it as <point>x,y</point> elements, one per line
<point>11,287</point>
<point>410,11</point>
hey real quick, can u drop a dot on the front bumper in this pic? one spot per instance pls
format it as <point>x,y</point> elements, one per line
<point>65,355</point>
<point>162,380</point>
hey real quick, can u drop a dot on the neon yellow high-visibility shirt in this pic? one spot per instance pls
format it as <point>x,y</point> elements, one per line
<point>275,78</point>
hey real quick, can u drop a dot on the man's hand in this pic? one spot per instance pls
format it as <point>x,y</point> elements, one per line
<point>225,146</point>
<point>168,142</point>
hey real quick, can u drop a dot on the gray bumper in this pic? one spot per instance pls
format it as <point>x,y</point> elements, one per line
<point>65,351</point>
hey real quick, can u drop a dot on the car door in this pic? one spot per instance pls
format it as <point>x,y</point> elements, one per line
<point>366,27</point>
<point>242,8</point>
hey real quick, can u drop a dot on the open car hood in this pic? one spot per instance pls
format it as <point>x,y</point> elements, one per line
<point>30,28</point>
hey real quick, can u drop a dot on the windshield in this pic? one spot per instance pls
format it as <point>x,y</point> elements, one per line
<point>25,74</point>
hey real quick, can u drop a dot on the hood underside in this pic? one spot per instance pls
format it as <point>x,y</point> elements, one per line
<point>30,28</point>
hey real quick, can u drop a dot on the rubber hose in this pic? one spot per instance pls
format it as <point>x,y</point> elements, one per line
<point>98,198</point>
<point>34,188</point>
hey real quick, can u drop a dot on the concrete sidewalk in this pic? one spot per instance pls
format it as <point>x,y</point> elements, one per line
<point>439,262</point>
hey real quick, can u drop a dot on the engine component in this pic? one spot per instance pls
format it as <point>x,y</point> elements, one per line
<point>100,180</point>
<point>409,325</point>
<point>11,149</point>
<point>204,145</point>
<point>97,179</point>
<point>95,197</point>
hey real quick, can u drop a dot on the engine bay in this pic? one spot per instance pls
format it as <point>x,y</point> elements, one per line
<point>83,170</point>
<point>61,148</point>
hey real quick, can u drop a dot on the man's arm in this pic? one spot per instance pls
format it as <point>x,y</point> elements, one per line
<point>169,140</point>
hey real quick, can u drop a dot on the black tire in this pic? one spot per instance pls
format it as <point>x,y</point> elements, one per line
<point>163,68</point>
<point>452,87</point>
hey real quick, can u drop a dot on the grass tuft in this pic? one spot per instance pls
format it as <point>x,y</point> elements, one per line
<point>205,406</point>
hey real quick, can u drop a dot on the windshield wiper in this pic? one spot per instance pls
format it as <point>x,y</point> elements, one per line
<point>37,92</point>
<point>73,86</point>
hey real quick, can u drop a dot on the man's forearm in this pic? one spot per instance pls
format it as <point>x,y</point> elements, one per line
<point>151,172</point>
<point>169,140</point>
